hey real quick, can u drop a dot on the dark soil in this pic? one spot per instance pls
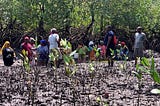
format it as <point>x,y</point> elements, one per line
<point>46,87</point>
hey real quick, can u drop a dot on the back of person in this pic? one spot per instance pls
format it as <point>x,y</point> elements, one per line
<point>8,56</point>
<point>53,41</point>
<point>109,43</point>
<point>27,47</point>
<point>43,52</point>
<point>139,39</point>
<point>109,34</point>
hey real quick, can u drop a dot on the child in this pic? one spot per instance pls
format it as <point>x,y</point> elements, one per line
<point>82,50</point>
<point>123,50</point>
<point>102,48</point>
<point>117,51</point>
<point>91,51</point>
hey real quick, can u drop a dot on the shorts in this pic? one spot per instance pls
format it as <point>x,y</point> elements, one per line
<point>138,52</point>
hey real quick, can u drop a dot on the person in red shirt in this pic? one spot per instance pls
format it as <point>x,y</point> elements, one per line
<point>102,48</point>
<point>27,47</point>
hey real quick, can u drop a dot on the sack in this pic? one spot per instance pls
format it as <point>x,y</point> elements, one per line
<point>114,39</point>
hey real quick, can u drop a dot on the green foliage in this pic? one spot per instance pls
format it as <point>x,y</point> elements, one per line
<point>91,68</point>
<point>112,53</point>
<point>66,48</point>
<point>53,54</point>
<point>61,13</point>
<point>149,67</point>
<point>97,52</point>
<point>100,101</point>
<point>68,59</point>
<point>138,72</point>
<point>26,62</point>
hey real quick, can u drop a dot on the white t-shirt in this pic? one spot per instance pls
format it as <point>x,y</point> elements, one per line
<point>139,39</point>
<point>53,38</point>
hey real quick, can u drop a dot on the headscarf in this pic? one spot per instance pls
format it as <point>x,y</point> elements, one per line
<point>123,43</point>
<point>5,45</point>
<point>26,38</point>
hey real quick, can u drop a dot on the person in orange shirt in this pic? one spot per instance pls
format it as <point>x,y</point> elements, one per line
<point>91,51</point>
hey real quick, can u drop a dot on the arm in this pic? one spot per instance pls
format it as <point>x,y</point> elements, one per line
<point>58,40</point>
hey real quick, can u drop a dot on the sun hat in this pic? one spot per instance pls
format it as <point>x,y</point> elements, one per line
<point>139,27</point>
<point>53,29</point>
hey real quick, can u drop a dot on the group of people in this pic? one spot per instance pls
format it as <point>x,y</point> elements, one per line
<point>106,49</point>
<point>140,37</point>
<point>40,55</point>
<point>36,54</point>
<point>111,49</point>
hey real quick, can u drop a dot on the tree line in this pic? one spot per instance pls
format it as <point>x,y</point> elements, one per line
<point>21,16</point>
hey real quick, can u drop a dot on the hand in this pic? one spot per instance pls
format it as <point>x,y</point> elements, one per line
<point>16,58</point>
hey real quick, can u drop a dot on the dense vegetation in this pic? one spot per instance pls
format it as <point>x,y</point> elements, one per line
<point>90,83</point>
<point>38,16</point>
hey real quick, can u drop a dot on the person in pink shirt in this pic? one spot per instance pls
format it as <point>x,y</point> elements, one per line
<point>26,45</point>
<point>102,48</point>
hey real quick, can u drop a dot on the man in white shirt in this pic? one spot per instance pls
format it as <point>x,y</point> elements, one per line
<point>53,39</point>
<point>54,44</point>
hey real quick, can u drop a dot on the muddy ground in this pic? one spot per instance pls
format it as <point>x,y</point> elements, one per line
<point>106,86</point>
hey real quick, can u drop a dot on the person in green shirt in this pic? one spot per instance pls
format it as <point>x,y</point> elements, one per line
<point>82,51</point>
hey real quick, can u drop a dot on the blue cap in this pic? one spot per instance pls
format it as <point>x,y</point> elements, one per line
<point>43,42</point>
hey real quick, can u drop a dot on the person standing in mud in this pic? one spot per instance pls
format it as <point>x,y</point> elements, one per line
<point>53,39</point>
<point>109,43</point>
<point>42,52</point>
<point>8,54</point>
<point>26,45</point>
<point>54,42</point>
<point>140,37</point>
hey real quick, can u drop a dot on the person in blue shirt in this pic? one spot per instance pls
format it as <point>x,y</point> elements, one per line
<point>109,43</point>
<point>42,52</point>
